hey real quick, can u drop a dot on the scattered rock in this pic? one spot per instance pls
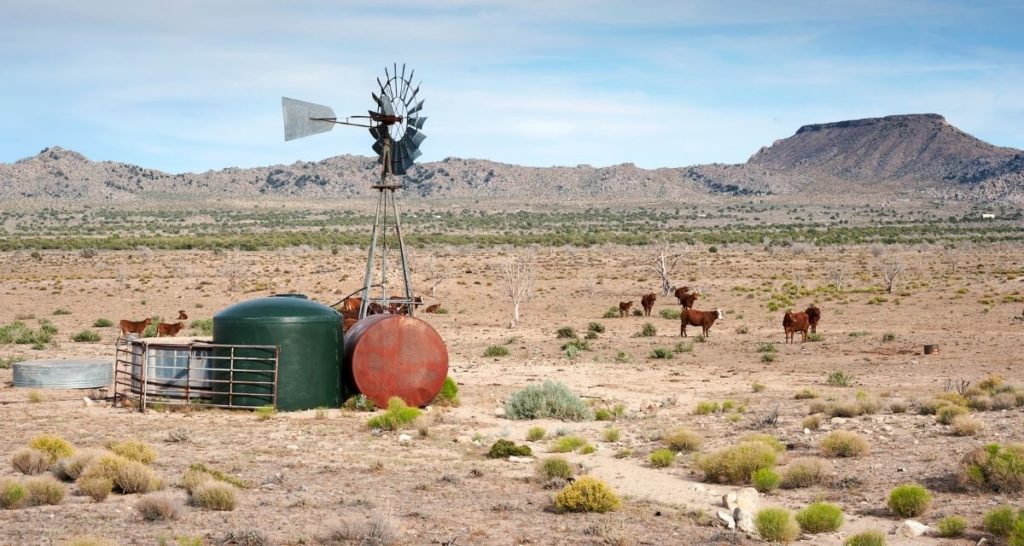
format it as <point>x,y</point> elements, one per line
<point>726,518</point>
<point>499,411</point>
<point>744,521</point>
<point>807,430</point>
<point>911,528</point>
<point>518,459</point>
<point>745,498</point>
<point>837,420</point>
<point>292,447</point>
<point>403,438</point>
<point>87,402</point>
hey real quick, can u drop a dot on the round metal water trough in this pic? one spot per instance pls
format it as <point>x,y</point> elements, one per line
<point>395,355</point>
<point>75,373</point>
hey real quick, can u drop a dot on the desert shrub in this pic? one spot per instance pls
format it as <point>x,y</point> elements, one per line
<point>596,327</point>
<point>43,490</point>
<point>818,406</point>
<point>264,413</point>
<point>1017,535</point>
<point>555,467</point>
<point>359,402</point>
<point>157,507</point>
<point>776,525</point>
<point>193,479</point>
<point>662,458</point>
<point>898,406</point>
<point>95,487</point>
<point>30,461</point>
<point>565,332</point>
<point>888,336</point>
<point>766,439</point>
<point>995,467</point>
<point>547,400</point>
<point>637,313</point>
<point>909,500</point>
<point>135,477</point>
<point>611,434</point>
<point>839,378</point>
<point>736,464</point>
<point>662,353</point>
<point>841,443</point>
<point>706,407</point>
<point>256,537</point>
<point>535,433</point>
<point>133,450</point>
<point>766,347</point>
<point>217,475</point>
<point>946,414</point>
<point>496,350</point>
<point>682,440</point>
<point>670,313</point>
<point>54,446</point>
<point>567,444</point>
<point>844,409</point>
<point>1004,401</point>
<point>815,337</point>
<point>587,494</point>
<point>811,422</point>
<point>1000,521</point>
<point>395,417</point>
<point>215,495</point>
<point>820,517</point>
<point>102,323</point>
<point>980,402</point>
<point>86,336</point>
<point>11,493</point>
<point>611,312</point>
<point>503,449</point>
<point>768,357</point>
<point>203,327</point>
<point>70,468</point>
<point>805,394</point>
<point>805,472</point>
<point>867,538</point>
<point>449,393</point>
<point>61,311</point>
<point>590,335</point>
<point>576,345</point>
<point>178,435</point>
<point>951,526</point>
<point>765,480</point>
<point>965,425</point>
<point>648,330</point>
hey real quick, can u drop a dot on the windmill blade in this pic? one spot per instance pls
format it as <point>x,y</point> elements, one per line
<point>416,153</point>
<point>415,136</point>
<point>378,148</point>
<point>417,122</point>
<point>402,87</point>
<point>386,102</point>
<point>414,93</point>
<point>414,109</point>
<point>298,120</point>
<point>376,132</point>
<point>376,99</point>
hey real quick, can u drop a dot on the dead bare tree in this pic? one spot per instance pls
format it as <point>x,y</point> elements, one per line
<point>665,261</point>
<point>235,268</point>
<point>892,268</point>
<point>519,273</point>
<point>837,276</point>
<point>435,272</point>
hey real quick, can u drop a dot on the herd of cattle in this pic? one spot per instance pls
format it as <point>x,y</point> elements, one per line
<point>688,316</point>
<point>138,327</point>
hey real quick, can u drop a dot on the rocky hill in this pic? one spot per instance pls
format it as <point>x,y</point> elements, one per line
<point>910,155</point>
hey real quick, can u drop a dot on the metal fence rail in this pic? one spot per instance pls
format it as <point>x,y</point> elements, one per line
<point>195,374</point>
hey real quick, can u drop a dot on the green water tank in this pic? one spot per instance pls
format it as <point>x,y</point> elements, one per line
<point>310,340</point>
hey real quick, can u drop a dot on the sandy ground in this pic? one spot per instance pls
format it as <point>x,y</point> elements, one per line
<point>310,475</point>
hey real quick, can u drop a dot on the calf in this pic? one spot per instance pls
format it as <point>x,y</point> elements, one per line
<point>624,307</point>
<point>168,329</point>
<point>182,315</point>
<point>647,302</point>
<point>680,292</point>
<point>432,308</point>
<point>800,322</point>
<point>813,316</point>
<point>134,326</point>
<point>685,297</point>
<point>693,317</point>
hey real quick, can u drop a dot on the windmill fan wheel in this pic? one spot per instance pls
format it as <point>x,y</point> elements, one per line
<point>398,131</point>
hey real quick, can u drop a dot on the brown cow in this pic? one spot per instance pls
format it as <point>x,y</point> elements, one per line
<point>799,322</point>
<point>403,308</point>
<point>624,307</point>
<point>182,315</point>
<point>693,317</point>
<point>168,329</point>
<point>432,308</point>
<point>647,301</point>
<point>813,316</point>
<point>680,292</point>
<point>134,326</point>
<point>687,299</point>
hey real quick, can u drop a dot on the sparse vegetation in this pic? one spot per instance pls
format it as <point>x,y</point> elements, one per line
<point>776,525</point>
<point>648,330</point>
<point>995,467</point>
<point>965,425</point>
<point>43,490</point>
<point>820,517</point>
<point>909,500</point>
<point>157,507</point>
<point>682,440</point>
<point>547,400</point>
<point>1000,521</point>
<point>867,538</point>
<point>215,495</point>
<point>587,494</point>
<point>11,493</point>
<point>566,332</point>
<point>395,417</point>
<point>496,351</point>
<point>86,336</point>
<point>707,408</point>
<point>134,450</point>
<point>30,461</point>
<point>661,458</point>
<point>449,393</point>
<point>555,468</point>
<point>96,487</point>
<point>951,526</point>
<point>535,433</point>
<point>839,379</point>
<point>503,449</point>
<point>842,443</point>
<point>805,472</point>
<point>568,444</point>
<point>54,446</point>
<point>662,353</point>
<point>102,323</point>
<point>765,480</point>
<point>736,464</point>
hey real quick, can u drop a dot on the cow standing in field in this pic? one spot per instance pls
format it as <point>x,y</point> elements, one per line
<point>624,307</point>
<point>813,316</point>
<point>685,297</point>
<point>134,326</point>
<point>168,329</point>
<point>693,317</point>
<point>647,302</point>
<point>182,315</point>
<point>798,322</point>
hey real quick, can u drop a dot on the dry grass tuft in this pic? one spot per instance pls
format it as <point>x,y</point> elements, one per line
<point>965,425</point>
<point>96,487</point>
<point>70,468</point>
<point>30,461</point>
<point>215,495</point>
<point>134,450</point>
<point>43,490</point>
<point>805,472</point>
<point>11,493</point>
<point>157,507</point>
<point>682,440</point>
<point>737,463</point>
<point>844,444</point>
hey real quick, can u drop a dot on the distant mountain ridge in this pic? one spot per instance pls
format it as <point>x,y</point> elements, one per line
<point>915,155</point>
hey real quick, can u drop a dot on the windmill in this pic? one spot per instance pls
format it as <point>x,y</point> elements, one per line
<point>396,125</point>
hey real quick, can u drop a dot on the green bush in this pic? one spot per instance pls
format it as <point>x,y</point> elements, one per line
<point>1017,535</point>
<point>909,500</point>
<point>994,467</point>
<point>611,434</point>
<point>766,347</point>
<point>203,327</point>
<point>736,464</point>
<point>670,313</point>
<point>102,323</point>
<point>841,443</point>
<point>54,446</point>
<point>587,494</point>
<point>596,327</point>
<point>565,332</point>
<point>503,449</point>
<point>661,353</point>
<point>648,330</point>
<point>150,330</point>
<point>706,408</point>
<point>820,517</point>
<point>662,458</point>
<point>555,467</point>
<point>395,417</point>
<point>805,394</point>
<point>776,525</point>
<point>86,336</point>
<point>61,311</point>
<point>577,344</point>
<point>839,378</point>
<point>449,393</point>
<point>867,538</point>
<point>567,444</point>
<point>1000,521</point>
<point>815,337</point>
<point>951,526</point>
<point>11,493</point>
<point>946,414</point>
<point>611,312</point>
<point>683,440</point>
<point>765,480</point>
<point>547,400</point>
<point>766,439</point>
<point>496,350</point>
<point>535,433</point>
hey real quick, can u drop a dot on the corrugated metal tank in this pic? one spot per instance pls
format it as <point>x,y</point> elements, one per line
<point>310,339</point>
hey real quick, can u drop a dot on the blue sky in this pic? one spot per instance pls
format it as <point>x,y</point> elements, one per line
<point>194,85</point>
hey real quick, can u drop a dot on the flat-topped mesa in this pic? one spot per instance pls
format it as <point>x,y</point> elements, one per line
<point>901,118</point>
